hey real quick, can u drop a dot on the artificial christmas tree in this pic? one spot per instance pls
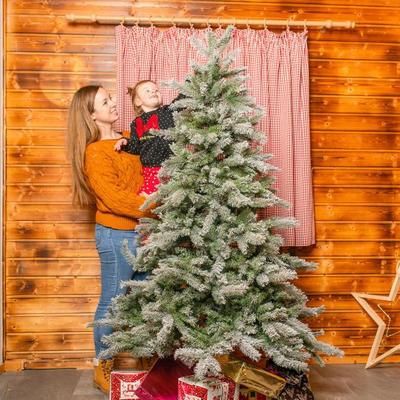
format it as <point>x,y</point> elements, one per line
<point>217,281</point>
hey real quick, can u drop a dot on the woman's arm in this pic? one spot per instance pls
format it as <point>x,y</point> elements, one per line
<point>105,183</point>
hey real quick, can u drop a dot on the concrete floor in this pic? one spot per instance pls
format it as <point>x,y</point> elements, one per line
<point>333,382</point>
<point>52,384</point>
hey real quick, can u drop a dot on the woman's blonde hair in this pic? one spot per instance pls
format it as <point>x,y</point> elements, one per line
<point>82,130</point>
<point>132,91</point>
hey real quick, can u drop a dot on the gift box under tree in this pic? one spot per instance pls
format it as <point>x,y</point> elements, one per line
<point>123,384</point>
<point>250,394</point>
<point>161,382</point>
<point>190,388</point>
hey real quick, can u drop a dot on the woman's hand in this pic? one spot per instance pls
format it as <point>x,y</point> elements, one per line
<point>120,143</point>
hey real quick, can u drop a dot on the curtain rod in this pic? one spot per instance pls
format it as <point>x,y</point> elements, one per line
<point>92,19</point>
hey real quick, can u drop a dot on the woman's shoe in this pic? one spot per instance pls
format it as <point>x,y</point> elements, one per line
<point>102,373</point>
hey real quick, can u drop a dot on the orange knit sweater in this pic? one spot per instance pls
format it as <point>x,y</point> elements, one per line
<point>115,178</point>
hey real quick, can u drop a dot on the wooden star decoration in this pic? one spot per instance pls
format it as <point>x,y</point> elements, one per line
<point>373,360</point>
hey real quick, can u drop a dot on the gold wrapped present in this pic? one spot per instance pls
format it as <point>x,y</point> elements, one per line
<point>254,378</point>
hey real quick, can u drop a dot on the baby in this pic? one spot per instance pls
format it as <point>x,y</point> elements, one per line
<point>149,114</point>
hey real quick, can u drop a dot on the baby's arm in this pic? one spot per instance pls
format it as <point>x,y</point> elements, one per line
<point>131,145</point>
<point>120,143</point>
<point>127,145</point>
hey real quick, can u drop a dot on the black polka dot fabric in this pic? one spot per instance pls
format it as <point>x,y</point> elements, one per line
<point>153,150</point>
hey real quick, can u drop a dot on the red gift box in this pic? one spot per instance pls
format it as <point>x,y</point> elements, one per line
<point>233,393</point>
<point>123,384</point>
<point>189,388</point>
<point>161,382</point>
<point>249,394</point>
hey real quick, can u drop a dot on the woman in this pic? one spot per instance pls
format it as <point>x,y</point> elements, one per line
<point>111,180</point>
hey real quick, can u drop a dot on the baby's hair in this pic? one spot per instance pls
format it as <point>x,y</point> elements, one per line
<point>132,93</point>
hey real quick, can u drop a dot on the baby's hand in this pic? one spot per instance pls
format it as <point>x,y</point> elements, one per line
<point>121,142</point>
<point>144,194</point>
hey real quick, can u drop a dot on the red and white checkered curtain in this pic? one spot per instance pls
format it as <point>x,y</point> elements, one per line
<point>278,80</point>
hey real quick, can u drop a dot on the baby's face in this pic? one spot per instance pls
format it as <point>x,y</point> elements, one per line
<point>148,96</point>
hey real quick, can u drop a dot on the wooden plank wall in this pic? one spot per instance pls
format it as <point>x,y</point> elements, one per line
<point>51,264</point>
